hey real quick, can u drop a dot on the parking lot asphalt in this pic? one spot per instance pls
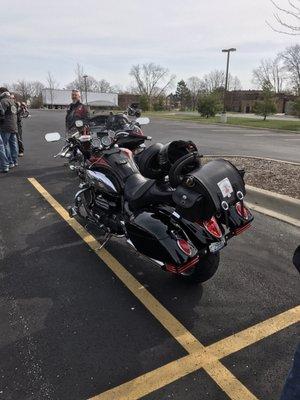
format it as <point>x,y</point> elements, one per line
<point>229,140</point>
<point>76,327</point>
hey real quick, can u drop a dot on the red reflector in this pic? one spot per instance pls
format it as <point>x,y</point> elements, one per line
<point>184,246</point>
<point>212,227</point>
<point>182,268</point>
<point>238,231</point>
<point>242,210</point>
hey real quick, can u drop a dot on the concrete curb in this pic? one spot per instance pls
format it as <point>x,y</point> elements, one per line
<point>275,205</point>
<point>254,157</point>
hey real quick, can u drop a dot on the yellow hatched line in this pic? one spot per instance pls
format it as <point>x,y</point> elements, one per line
<point>199,355</point>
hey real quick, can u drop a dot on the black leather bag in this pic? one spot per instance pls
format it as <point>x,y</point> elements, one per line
<point>208,189</point>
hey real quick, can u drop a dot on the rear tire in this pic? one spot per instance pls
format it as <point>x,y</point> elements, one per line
<point>204,270</point>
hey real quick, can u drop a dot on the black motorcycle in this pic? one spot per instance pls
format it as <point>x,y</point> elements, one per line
<point>181,224</point>
<point>129,133</point>
<point>77,146</point>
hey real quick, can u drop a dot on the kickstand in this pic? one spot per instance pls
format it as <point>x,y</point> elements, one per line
<point>106,240</point>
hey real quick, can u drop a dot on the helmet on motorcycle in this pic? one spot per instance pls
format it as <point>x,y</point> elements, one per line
<point>148,164</point>
<point>174,151</point>
<point>155,161</point>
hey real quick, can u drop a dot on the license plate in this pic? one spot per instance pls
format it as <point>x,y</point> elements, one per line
<point>216,246</point>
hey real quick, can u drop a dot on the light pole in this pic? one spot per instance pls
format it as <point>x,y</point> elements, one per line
<point>226,78</point>
<point>85,87</point>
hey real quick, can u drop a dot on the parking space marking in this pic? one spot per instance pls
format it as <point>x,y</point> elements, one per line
<point>255,333</point>
<point>199,356</point>
<point>160,377</point>
<point>176,329</point>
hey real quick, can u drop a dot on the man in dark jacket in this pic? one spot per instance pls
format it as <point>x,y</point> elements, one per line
<point>75,111</point>
<point>22,113</point>
<point>291,390</point>
<point>8,128</point>
<point>4,164</point>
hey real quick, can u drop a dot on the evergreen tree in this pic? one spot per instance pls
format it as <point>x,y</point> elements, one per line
<point>183,95</point>
<point>266,105</point>
<point>296,107</point>
<point>209,104</point>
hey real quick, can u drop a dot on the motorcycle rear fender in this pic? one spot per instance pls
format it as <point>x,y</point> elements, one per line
<point>200,237</point>
<point>155,235</point>
<point>79,193</point>
<point>198,234</point>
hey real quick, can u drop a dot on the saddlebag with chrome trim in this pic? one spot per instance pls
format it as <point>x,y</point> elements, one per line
<point>208,190</point>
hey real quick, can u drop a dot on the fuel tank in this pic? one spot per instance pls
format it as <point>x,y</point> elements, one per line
<point>116,164</point>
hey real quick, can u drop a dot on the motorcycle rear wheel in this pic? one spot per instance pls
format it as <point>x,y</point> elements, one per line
<point>204,270</point>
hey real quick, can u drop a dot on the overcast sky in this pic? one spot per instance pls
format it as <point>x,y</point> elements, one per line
<point>107,37</point>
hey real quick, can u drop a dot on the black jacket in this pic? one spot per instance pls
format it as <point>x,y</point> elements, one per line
<point>8,114</point>
<point>75,111</point>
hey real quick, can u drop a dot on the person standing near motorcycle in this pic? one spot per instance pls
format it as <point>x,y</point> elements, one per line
<point>75,111</point>
<point>22,112</point>
<point>8,131</point>
<point>4,164</point>
<point>291,389</point>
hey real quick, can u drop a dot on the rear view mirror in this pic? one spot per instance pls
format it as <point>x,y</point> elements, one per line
<point>143,120</point>
<point>52,137</point>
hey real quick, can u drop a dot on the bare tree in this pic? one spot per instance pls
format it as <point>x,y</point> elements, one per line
<point>195,86</point>
<point>92,84</point>
<point>52,85</point>
<point>24,88</point>
<point>291,61</point>
<point>283,15</point>
<point>151,80</point>
<point>272,72</point>
<point>104,86</point>
<point>117,89</point>
<point>37,87</point>
<point>78,82</point>
<point>215,81</point>
<point>234,83</point>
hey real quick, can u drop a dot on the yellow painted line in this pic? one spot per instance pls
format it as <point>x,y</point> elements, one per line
<point>255,333</point>
<point>151,381</point>
<point>176,329</point>
<point>199,355</point>
<point>160,377</point>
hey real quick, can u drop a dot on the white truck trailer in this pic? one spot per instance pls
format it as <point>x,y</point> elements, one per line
<point>60,98</point>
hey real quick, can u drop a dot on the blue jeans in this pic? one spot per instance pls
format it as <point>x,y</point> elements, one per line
<point>10,141</point>
<point>291,390</point>
<point>3,158</point>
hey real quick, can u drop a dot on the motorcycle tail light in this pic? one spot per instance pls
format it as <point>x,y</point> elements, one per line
<point>184,246</point>
<point>212,227</point>
<point>242,210</point>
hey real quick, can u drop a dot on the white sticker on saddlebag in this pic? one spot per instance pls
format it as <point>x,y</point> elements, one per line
<point>225,187</point>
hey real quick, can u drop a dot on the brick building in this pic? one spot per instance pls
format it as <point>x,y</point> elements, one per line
<point>244,100</point>
<point>125,99</point>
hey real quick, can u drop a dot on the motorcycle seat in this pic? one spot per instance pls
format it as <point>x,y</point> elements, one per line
<point>141,192</point>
